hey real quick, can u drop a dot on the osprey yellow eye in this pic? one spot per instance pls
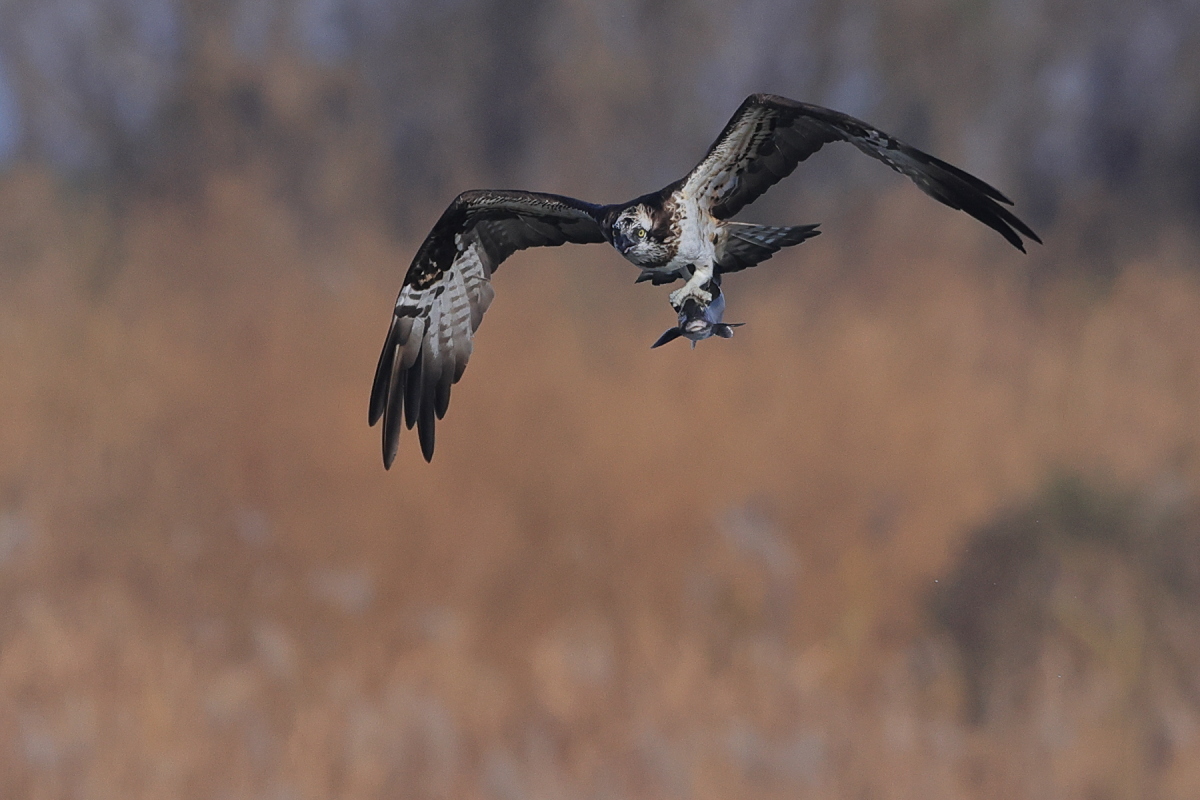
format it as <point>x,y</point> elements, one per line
<point>641,233</point>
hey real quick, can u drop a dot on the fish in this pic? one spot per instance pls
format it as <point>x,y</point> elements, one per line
<point>699,320</point>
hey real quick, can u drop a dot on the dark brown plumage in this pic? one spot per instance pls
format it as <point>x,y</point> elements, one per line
<point>681,231</point>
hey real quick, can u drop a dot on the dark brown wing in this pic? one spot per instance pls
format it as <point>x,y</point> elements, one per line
<point>446,291</point>
<point>769,135</point>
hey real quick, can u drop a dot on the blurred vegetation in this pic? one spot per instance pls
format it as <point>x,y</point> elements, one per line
<point>833,557</point>
<point>1076,612</point>
<point>1083,110</point>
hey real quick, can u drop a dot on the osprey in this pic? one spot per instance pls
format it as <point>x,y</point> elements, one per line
<point>683,230</point>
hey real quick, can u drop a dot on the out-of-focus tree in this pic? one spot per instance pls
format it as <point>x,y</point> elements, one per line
<point>1061,100</point>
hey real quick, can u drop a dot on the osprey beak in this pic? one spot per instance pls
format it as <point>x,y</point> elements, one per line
<point>622,242</point>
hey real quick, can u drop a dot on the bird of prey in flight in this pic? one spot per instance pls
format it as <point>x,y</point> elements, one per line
<point>683,230</point>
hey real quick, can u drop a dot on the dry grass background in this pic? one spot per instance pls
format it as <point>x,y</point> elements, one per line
<point>626,574</point>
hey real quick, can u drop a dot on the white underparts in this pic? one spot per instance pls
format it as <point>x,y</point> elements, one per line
<point>697,231</point>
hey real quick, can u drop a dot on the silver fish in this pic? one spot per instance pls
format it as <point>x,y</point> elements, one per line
<point>699,321</point>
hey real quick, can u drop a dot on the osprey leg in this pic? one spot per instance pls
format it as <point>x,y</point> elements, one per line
<point>693,289</point>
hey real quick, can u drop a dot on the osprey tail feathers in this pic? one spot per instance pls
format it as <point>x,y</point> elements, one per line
<point>744,245</point>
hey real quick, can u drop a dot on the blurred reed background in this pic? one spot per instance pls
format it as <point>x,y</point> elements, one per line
<point>927,528</point>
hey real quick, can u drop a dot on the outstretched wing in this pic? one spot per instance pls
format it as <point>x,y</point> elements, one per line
<point>769,135</point>
<point>445,292</point>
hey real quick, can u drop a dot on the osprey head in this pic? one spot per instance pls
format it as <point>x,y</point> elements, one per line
<point>634,236</point>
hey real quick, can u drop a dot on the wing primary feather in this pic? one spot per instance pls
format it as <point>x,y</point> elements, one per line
<point>412,389</point>
<point>393,411</point>
<point>425,433</point>
<point>427,409</point>
<point>443,394</point>
<point>446,369</point>
<point>976,183</point>
<point>460,360</point>
<point>383,373</point>
<point>412,346</point>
